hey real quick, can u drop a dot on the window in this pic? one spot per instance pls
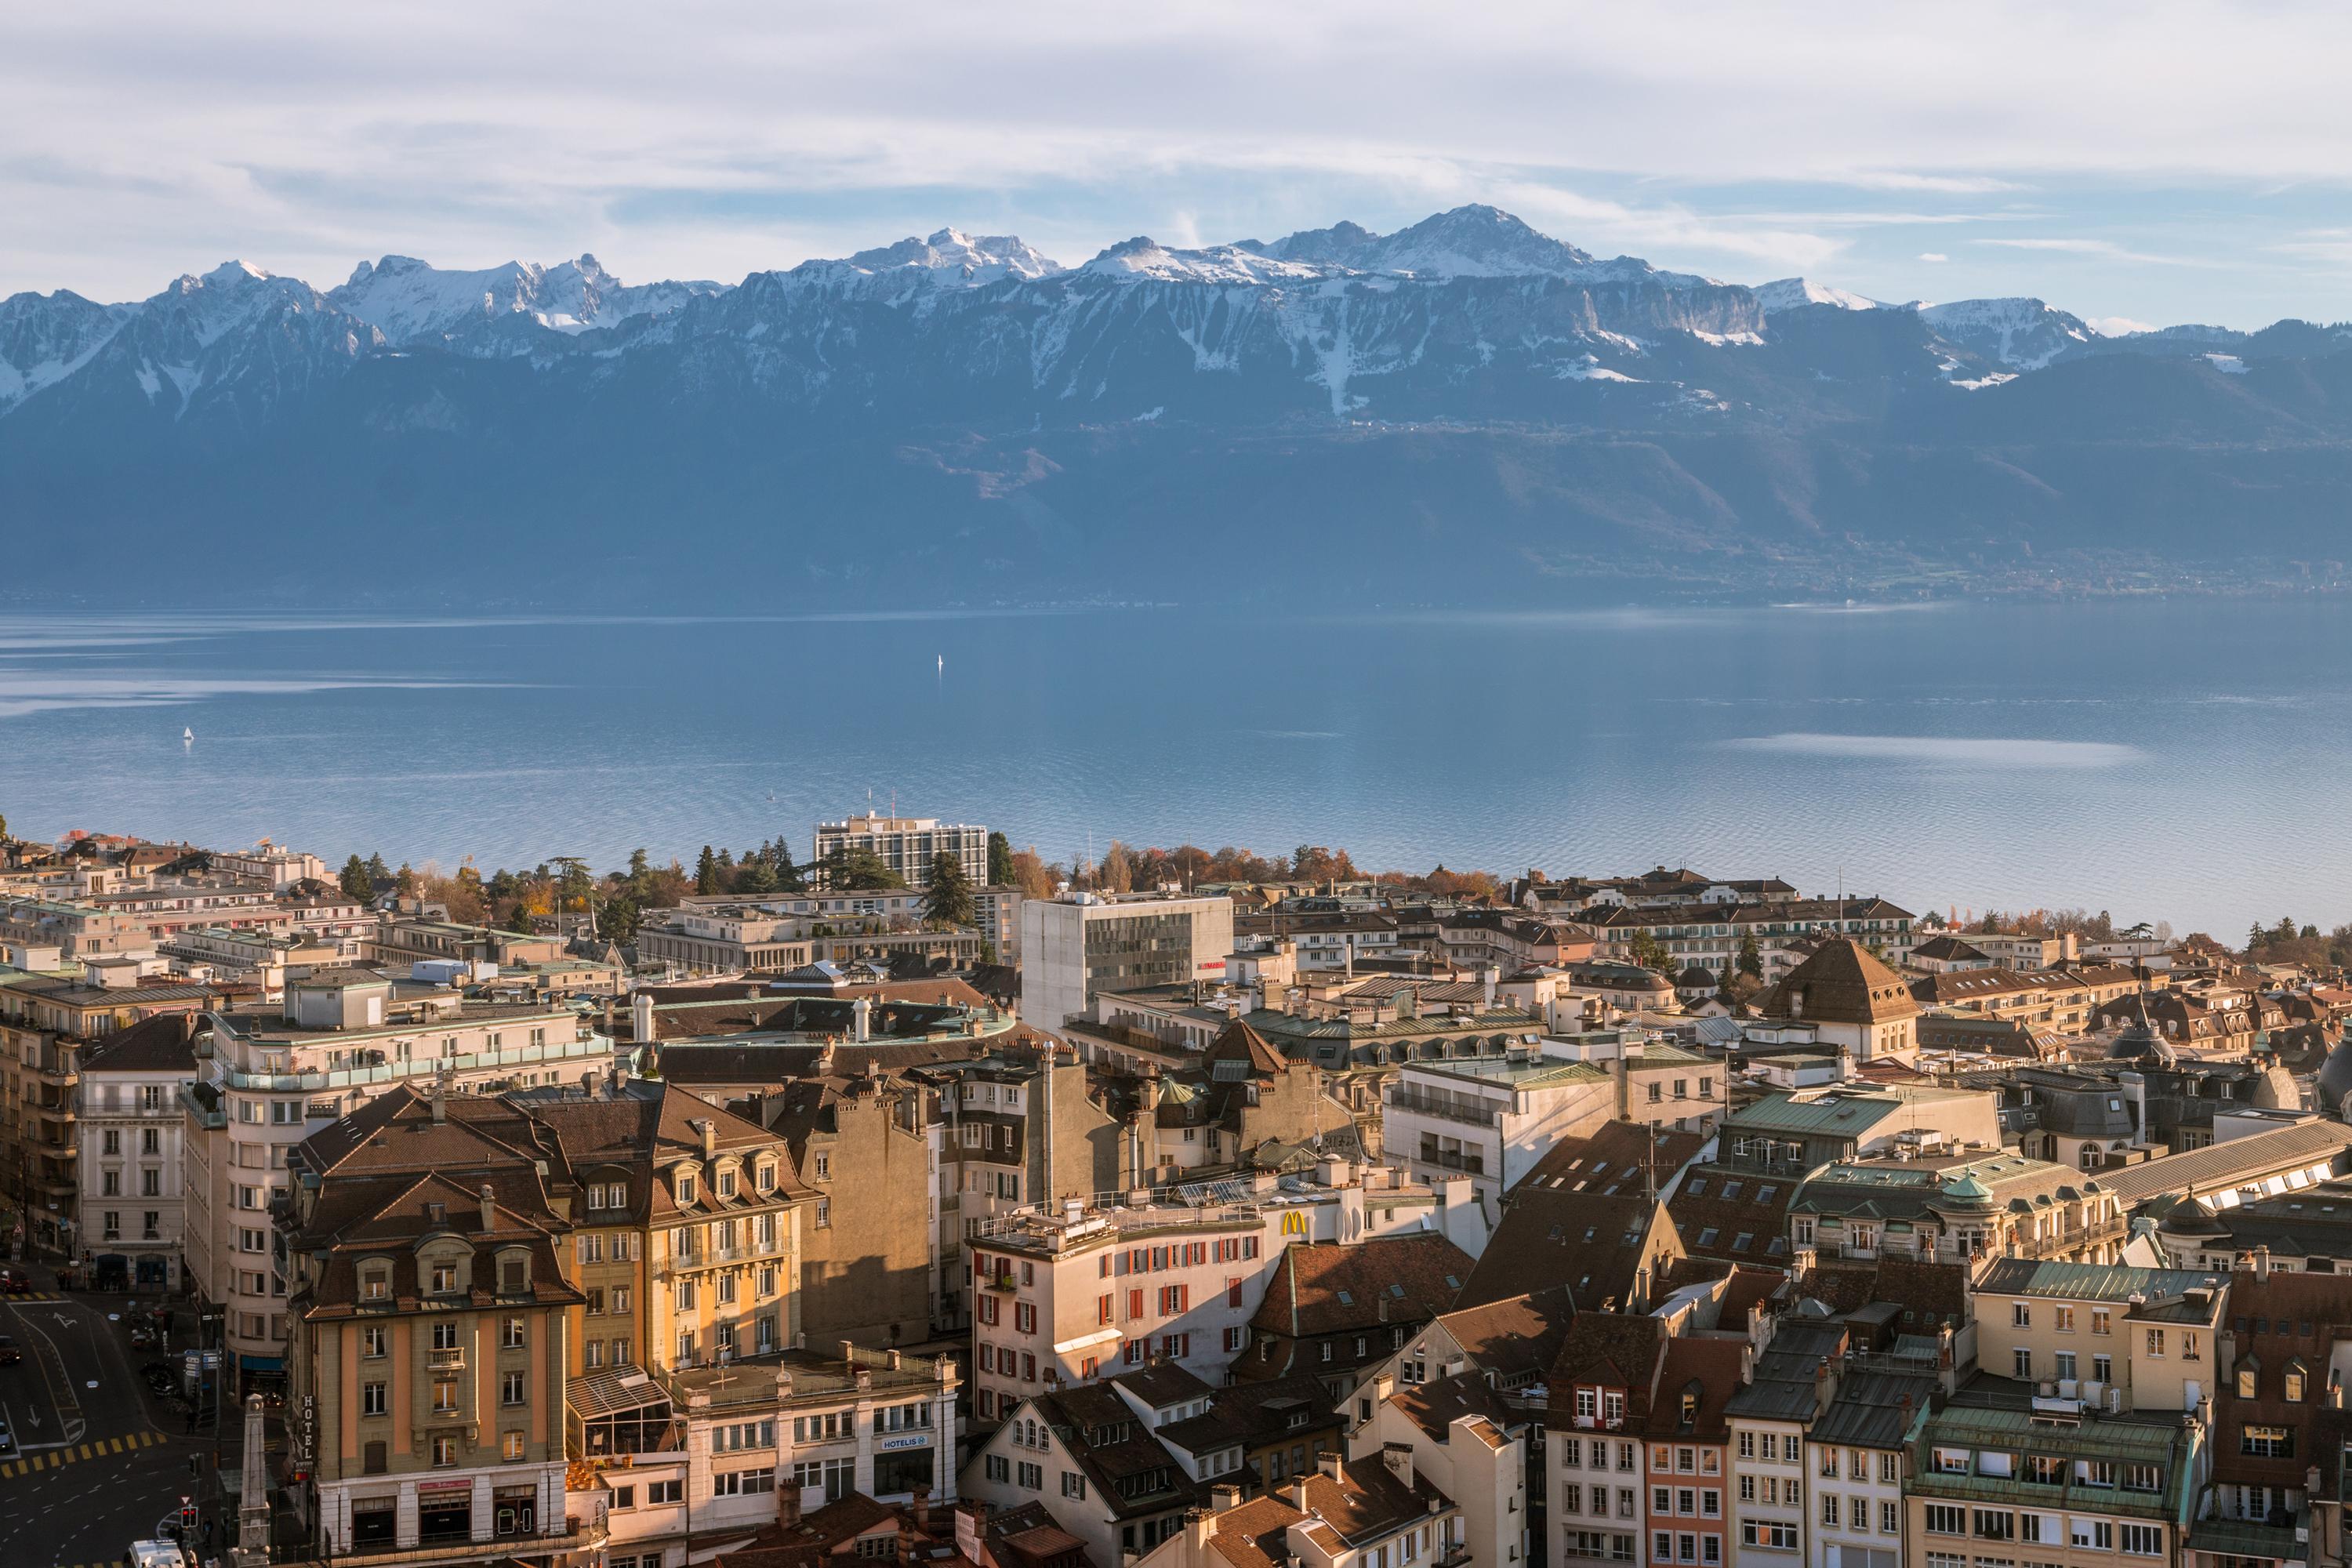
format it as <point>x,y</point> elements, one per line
<point>1995,1524</point>
<point>2294,1382</point>
<point>2095,1472</point>
<point>724,1182</point>
<point>1772,1534</point>
<point>2143,1540</point>
<point>1028,1477</point>
<point>445,1451</point>
<point>2066,1365</point>
<point>511,1446</point>
<point>373,1399</point>
<point>444,1279</point>
<point>2143,1477</point>
<point>444,1336</point>
<point>2021,1363</point>
<point>1890,1518</point>
<point>1946,1518</point>
<point>2065,1319</point>
<point>2155,1342</point>
<point>113,1226</point>
<point>2266,1442</point>
<point>1074,1485</point>
<point>2021,1316</point>
<point>743,1483</point>
<point>445,1396</point>
<point>371,1341</point>
<point>2103,1320</point>
<point>512,1388</point>
<point>665,1492</point>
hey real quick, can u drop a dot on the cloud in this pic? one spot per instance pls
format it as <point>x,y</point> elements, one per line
<point>2117,326</point>
<point>2102,249</point>
<point>1933,256</point>
<point>710,139</point>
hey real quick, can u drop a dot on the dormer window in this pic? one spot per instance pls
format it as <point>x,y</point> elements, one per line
<point>685,1187</point>
<point>2295,1381</point>
<point>375,1284</point>
<point>444,1279</point>
<point>2249,1370</point>
<point>724,1183</point>
<point>767,1177</point>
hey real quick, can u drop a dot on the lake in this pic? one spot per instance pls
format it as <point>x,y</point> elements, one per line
<point>2177,760</point>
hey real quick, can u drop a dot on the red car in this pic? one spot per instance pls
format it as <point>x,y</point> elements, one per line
<point>12,1283</point>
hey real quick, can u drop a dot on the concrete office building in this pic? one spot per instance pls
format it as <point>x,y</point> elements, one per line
<point>1079,945</point>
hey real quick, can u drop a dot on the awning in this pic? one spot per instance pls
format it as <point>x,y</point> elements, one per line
<point>261,1363</point>
<point>612,1392</point>
<point>1088,1341</point>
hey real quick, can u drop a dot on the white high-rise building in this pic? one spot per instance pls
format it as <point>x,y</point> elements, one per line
<point>907,844</point>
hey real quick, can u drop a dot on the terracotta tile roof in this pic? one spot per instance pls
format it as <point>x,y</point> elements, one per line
<point>1593,1244</point>
<point>1255,1534</point>
<point>1368,1500</point>
<point>1841,983</point>
<point>1327,1287</point>
<point>1434,1406</point>
<point>1518,1334</point>
<point>1697,1378</point>
<point>1607,1349</point>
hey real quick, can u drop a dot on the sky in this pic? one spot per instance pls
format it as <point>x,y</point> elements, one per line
<point>2141,163</point>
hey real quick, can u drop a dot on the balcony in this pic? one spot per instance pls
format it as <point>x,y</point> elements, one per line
<point>445,1361</point>
<point>1473,1115</point>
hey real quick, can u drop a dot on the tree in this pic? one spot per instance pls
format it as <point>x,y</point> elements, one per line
<point>948,899</point>
<point>520,920</point>
<point>1751,962</point>
<point>355,881</point>
<point>575,890</point>
<point>706,872</point>
<point>1650,953</point>
<point>755,876</point>
<point>1000,861</point>
<point>1117,872</point>
<point>620,916</point>
<point>858,868</point>
<point>788,876</point>
<point>379,874</point>
<point>404,881</point>
<point>1031,875</point>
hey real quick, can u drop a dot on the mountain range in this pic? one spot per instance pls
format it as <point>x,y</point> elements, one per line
<point>1464,411</point>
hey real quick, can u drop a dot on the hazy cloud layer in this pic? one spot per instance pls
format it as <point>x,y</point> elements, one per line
<point>2102,154</point>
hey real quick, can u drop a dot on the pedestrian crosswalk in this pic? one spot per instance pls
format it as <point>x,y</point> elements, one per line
<point>96,1448</point>
<point>36,1296</point>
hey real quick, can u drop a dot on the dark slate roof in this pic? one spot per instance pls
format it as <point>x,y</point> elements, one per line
<point>1256,1412</point>
<point>164,1043</point>
<point>1875,1409</point>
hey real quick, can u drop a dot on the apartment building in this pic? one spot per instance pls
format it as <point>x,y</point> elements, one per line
<point>1770,1419</point>
<point>267,1078</point>
<point>49,1025</point>
<point>1845,995</point>
<point>428,1358</point>
<point>1956,1208</point>
<point>1471,1443</point>
<point>1688,1470</point>
<point>1491,1119</point>
<point>2016,1482</point>
<point>1335,1309</point>
<point>1596,1410</point>
<point>2116,1338</point>
<point>1064,1295</point>
<point>1857,1453</point>
<point>1711,932</point>
<point>1075,947</point>
<point>128,1125</point>
<point>270,865</point>
<point>906,845</point>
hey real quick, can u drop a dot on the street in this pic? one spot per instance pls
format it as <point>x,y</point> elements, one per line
<point>97,1463</point>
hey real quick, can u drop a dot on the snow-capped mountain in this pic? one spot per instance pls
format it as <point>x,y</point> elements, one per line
<point>43,339</point>
<point>1474,241</point>
<point>2016,335</point>
<point>1464,395</point>
<point>1794,294</point>
<point>948,259</point>
<point>412,301</point>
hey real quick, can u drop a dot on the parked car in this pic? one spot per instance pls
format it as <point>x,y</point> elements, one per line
<point>7,1439</point>
<point>13,1282</point>
<point>9,1355</point>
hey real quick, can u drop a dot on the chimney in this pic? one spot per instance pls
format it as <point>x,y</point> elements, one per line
<point>1326,1463</point>
<point>440,1098</point>
<point>709,1131</point>
<point>1398,1456</point>
<point>2263,1261</point>
<point>641,1017</point>
<point>1298,1493</point>
<point>969,1518</point>
<point>788,1505</point>
<point>861,1015</point>
<point>1224,1497</point>
<point>489,1208</point>
<point>922,1504</point>
<point>1488,978</point>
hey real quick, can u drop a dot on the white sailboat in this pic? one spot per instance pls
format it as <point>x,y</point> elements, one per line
<point>187,736</point>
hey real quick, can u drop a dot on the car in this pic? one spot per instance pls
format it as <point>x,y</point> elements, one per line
<point>7,1439</point>
<point>13,1283</point>
<point>9,1354</point>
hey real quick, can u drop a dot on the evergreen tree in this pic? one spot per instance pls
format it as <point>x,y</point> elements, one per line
<point>706,872</point>
<point>788,876</point>
<point>949,900</point>
<point>859,869</point>
<point>379,874</point>
<point>1751,962</point>
<point>356,882</point>
<point>1650,953</point>
<point>520,920</point>
<point>754,876</point>
<point>619,918</point>
<point>405,882</point>
<point>1001,873</point>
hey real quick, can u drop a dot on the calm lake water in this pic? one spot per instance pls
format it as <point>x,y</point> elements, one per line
<point>2183,761</point>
